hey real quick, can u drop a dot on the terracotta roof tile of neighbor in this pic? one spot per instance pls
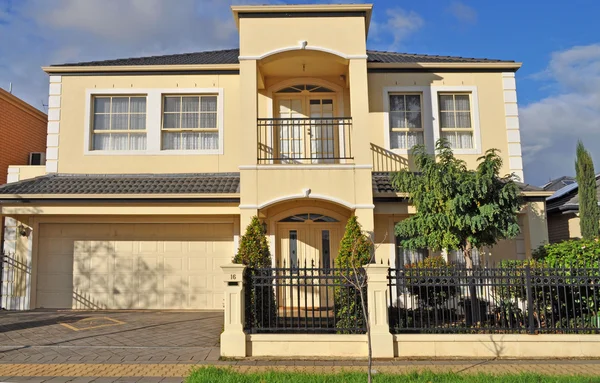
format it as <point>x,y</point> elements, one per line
<point>230,56</point>
<point>382,183</point>
<point>90,184</point>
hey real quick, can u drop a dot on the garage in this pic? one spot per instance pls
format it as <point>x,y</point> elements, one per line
<point>132,265</point>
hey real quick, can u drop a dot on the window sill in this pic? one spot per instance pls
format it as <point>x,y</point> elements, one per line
<point>151,153</point>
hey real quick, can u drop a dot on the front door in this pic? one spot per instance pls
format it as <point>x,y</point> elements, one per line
<point>306,131</point>
<point>307,250</point>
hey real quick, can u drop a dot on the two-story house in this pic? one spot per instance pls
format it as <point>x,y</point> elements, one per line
<point>155,165</point>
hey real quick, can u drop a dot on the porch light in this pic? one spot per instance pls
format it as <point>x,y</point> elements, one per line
<point>264,227</point>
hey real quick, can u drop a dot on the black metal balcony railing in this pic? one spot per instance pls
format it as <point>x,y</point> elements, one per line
<point>325,140</point>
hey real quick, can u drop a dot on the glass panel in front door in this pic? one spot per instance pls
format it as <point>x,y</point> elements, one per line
<point>290,132</point>
<point>322,131</point>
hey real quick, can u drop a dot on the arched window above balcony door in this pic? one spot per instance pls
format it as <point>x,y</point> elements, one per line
<point>304,88</point>
<point>312,217</point>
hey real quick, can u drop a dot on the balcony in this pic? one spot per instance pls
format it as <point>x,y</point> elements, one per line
<point>325,140</point>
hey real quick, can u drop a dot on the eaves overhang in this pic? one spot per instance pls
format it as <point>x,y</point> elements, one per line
<point>143,69</point>
<point>444,67</point>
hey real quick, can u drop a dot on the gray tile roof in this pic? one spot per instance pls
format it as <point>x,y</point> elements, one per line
<point>230,56</point>
<point>559,183</point>
<point>567,198</point>
<point>382,183</point>
<point>90,184</point>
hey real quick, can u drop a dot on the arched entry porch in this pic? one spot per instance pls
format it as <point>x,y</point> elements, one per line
<point>304,232</point>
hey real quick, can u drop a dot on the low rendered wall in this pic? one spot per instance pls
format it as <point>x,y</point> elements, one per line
<point>306,345</point>
<point>496,346</point>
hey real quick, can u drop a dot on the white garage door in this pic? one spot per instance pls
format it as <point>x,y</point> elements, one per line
<point>132,266</point>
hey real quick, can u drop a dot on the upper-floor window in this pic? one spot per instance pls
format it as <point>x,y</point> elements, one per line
<point>119,123</point>
<point>406,121</point>
<point>190,123</point>
<point>455,119</point>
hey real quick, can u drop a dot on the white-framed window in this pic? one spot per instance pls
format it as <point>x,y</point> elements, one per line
<point>190,122</point>
<point>405,120</point>
<point>406,257</point>
<point>455,119</point>
<point>119,123</point>
<point>194,121</point>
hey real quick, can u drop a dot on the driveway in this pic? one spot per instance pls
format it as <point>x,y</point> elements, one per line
<point>109,336</point>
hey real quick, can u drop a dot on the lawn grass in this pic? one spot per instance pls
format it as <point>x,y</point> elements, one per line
<point>226,375</point>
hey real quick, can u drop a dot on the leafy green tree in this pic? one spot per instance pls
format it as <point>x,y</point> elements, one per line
<point>457,208</point>
<point>254,253</point>
<point>589,214</point>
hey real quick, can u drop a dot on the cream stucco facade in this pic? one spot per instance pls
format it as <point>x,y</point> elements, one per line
<point>156,239</point>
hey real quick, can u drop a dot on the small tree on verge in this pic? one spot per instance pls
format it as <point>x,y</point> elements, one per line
<point>356,251</point>
<point>254,253</point>
<point>457,208</point>
<point>589,214</point>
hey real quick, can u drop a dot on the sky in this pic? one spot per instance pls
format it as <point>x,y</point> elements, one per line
<point>558,43</point>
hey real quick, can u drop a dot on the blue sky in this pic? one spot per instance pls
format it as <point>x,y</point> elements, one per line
<point>558,43</point>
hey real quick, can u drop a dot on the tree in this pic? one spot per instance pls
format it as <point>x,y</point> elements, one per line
<point>589,214</point>
<point>457,208</point>
<point>356,251</point>
<point>254,253</point>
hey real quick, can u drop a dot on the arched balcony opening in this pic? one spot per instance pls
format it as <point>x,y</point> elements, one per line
<point>303,116</point>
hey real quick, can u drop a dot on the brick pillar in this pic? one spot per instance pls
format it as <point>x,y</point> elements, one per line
<point>233,338</point>
<point>382,341</point>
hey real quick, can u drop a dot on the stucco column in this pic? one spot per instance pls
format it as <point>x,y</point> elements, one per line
<point>233,338</point>
<point>366,218</point>
<point>382,341</point>
<point>248,110</point>
<point>359,109</point>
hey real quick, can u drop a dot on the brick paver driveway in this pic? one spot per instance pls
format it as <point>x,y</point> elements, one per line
<point>109,336</point>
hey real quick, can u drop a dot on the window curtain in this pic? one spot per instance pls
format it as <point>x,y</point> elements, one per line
<point>457,257</point>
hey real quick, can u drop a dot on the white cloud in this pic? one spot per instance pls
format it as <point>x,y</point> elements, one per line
<point>399,24</point>
<point>34,33</point>
<point>463,13</point>
<point>551,126</point>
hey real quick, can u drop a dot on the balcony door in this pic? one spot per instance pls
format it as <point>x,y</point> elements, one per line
<point>306,130</point>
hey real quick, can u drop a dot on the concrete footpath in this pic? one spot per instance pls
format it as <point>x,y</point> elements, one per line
<point>175,372</point>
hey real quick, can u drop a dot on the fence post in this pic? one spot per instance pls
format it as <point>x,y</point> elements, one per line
<point>382,341</point>
<point>531,326</point>
<point>233,338</point>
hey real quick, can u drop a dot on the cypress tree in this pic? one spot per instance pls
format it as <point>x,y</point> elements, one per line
<point>589,214</point>
<point>253,252</point>
<point>356,250</point>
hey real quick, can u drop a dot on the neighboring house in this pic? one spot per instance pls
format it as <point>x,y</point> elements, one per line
<point>155,165</point>
<point>22,141</point>
<point>563,212</point>
<point>559,183</point>
<point>22,132</point>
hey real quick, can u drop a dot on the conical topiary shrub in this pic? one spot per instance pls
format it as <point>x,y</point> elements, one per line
<point>356,250</point>
<point>254,252</point>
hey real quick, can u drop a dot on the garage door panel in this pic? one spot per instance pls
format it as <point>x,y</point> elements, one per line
<point>56,264</point>
<point>55,282</point>
<point>54,299</point>
<point>141,266</point>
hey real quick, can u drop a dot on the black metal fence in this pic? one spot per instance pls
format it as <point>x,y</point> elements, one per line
<point>304,299</point>
<point>514,298</point>
<point>315,140</point>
